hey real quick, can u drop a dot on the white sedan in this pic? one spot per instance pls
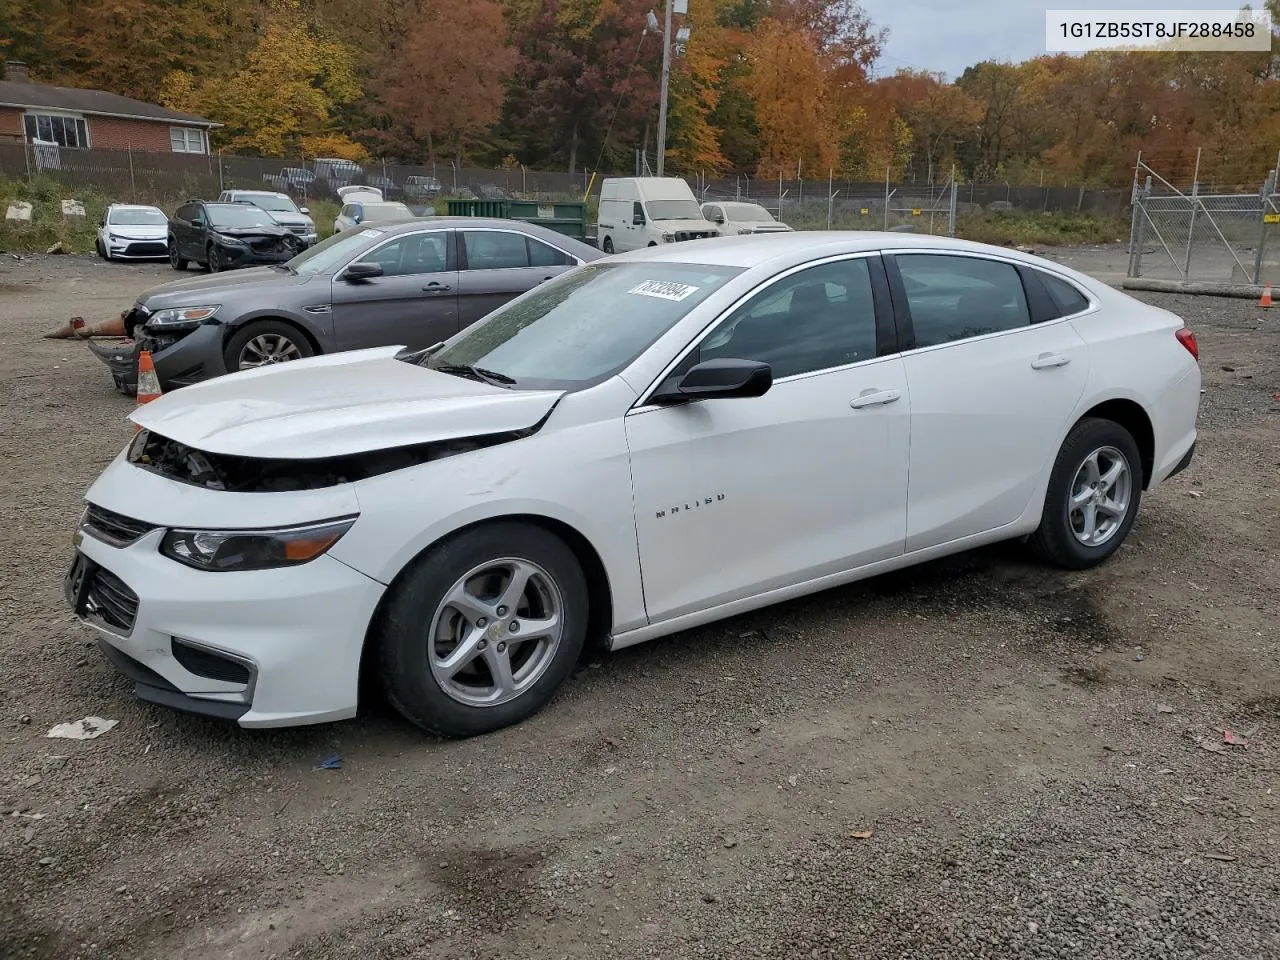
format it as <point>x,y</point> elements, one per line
<point>133,232</point>
<point>638,446</point>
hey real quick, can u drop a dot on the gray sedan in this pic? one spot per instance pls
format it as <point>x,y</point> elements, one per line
<point>411,283</point>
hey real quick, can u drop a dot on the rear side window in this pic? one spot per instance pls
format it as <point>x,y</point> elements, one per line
<point>954,298</point>
<point>1066,298</point>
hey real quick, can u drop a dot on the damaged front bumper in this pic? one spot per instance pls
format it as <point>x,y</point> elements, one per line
<point>181,358</point>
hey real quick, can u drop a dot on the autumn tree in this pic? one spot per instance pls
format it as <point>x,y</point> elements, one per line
<point>445,81</point>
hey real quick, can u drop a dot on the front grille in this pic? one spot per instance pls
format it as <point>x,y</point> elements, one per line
<point>206,663</point>
<point>114,528</point>
<point>694,234</point>
<point>147,248</point>
<point>267,245</point>
<point>301,229</point>
<point>108,597</point>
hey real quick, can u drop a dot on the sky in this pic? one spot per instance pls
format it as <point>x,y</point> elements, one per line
<point>949,35</point>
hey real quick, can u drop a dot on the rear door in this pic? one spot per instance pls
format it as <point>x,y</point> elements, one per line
<point>180,227</point>
<point>499,265</point>
<point>992,390</point>
<point>414,302</point>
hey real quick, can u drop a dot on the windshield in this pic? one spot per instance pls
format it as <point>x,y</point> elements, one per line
<point>748,212</point>
<point>673,210</point>
<point>269,202</point>
<point>584,326</point>
<point>385,211</point>
<point>240,215</point>
<point>328,255</point>
<point>137,218</point>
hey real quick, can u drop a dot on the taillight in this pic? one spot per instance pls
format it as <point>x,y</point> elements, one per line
<point>1188,340</point>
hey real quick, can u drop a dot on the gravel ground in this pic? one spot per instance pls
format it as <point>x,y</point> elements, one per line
<point>976,758</point>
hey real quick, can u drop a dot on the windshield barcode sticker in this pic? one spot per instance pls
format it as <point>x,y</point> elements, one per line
<point>664,290</point>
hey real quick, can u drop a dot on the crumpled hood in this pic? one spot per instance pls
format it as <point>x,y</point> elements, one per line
<point>207,289</point>
<point>338,404</point>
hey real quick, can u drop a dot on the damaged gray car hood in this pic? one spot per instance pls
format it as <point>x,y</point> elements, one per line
<point>339,404</point>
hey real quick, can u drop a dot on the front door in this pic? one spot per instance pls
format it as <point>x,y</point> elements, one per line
<point>414,302</point>
<point>736,497</point>
<point>991,393</point>
<point>499,265</point>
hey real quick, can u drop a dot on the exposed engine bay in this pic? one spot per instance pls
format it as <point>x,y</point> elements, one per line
<point>217,471</point>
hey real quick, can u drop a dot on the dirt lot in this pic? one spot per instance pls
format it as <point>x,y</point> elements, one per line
<point>1020,743</point>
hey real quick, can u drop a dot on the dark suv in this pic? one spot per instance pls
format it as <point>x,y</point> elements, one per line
<point>226,235</point>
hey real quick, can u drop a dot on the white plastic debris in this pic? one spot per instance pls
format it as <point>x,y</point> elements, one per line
<point>87,729</point>
<point>18,210</point>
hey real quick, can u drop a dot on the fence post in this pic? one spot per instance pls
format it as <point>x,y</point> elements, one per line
<point>133,186</point>
<point>1268,189</point>
<point>1134,219</point>
<point>886,197</point>
<point>221,184</point>
<point>831,197</point>
<point>1138,230</point>
<point>1191,220</point>
<point>951,206</point>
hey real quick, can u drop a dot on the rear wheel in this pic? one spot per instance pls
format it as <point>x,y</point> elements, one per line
<point>483,629</point>
<point>175,258</point>
<point>1093,496</point>
<point>263,343</point>
<point>608,245</point>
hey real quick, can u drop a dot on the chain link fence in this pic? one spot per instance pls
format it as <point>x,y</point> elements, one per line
<point>1222,243</point>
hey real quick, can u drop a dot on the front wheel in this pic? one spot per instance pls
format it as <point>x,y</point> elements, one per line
<point>1093,496</point>
<point>483,629</point>
<point>214,260</point>
<point>265,342</point>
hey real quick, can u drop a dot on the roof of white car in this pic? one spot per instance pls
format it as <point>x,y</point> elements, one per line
<point>751,251</point>
<point>133,206</point>
<point>257,193</point>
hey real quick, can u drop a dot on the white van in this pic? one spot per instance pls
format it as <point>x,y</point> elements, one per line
<point>640,212</point>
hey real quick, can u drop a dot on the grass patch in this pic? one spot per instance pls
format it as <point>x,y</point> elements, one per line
<point>1041,229</point>
<point>47,225</point>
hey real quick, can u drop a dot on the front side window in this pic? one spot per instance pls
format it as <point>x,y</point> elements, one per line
<point>954,298</point>
<point>334,252</point>
<point>186,140</point>
<point>585,325</point>
<point>186,213</point>
<point>413,254</point>
<point>818,318</point>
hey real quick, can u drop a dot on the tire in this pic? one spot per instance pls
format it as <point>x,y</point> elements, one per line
<point>414,676</point>
<point>652,243</point>
<point>265,338</point>
<point>1060,538</point>
<point>102,252</point>
<point>607,247</point>
<point>175,260</point>
<point>213,259</point>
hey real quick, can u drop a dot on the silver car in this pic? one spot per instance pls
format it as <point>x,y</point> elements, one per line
<point>133,232</point>
<point>282,209</point>
<point>365,212</point>
<point>413,283</point>
<point>738,217</point>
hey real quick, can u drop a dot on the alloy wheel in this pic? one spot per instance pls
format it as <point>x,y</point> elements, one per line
<point>1099,496</point>
<point>496,632</point>
<point>265,349</point>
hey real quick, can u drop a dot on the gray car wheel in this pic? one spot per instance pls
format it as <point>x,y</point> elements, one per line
<point>264,343</point>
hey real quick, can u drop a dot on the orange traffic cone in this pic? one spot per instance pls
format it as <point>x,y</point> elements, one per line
<point>1266,297</point>
<point>148,382</point>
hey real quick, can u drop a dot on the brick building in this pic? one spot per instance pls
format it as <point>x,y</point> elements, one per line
<point>93,118</point>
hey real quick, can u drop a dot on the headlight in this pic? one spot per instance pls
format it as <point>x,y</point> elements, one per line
<point>180,316</point>
<point>225,550</point>
<point>742,230</point>
<point>229,241</point>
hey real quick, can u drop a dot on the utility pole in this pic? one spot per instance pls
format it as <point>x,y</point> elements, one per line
<point>666,77</point>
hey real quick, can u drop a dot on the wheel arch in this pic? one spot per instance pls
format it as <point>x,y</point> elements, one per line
<point>230,330</point>
<point>1134,418</point>
<point>599,589</point>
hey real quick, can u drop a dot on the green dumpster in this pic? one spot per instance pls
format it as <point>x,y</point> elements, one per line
<point>563,216</point>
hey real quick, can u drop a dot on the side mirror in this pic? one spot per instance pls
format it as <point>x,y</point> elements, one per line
<point>638,220</point>
<point>363,270</point>
<point>305,211</point>
<point>713,379</point>
<point>718,218</point>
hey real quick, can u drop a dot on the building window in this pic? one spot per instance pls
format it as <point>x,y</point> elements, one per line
<point>187,140</point>
<point>56,128</point>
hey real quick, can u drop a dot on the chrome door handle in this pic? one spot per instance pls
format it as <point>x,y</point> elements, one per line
<point>1047,360</point>
<point>436,288</point>
<point>874,398</point>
